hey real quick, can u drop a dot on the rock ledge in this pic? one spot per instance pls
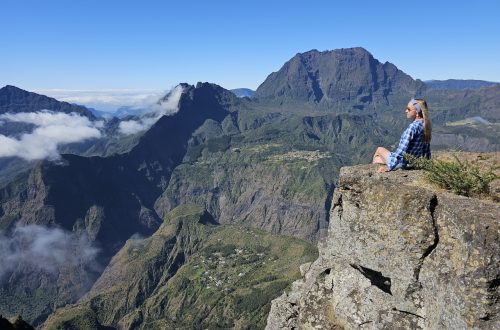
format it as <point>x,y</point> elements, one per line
<point>398,256</point>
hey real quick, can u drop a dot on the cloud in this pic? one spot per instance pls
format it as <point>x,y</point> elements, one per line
<point>156,111</point>
<point>132,126</point>
<point>51,130</point>
<point>45,249</point>
<point>107,100</point>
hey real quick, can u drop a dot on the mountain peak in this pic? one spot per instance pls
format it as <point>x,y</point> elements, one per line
<point>14,99</point>
<point>348,78</point>
<point>343,51</point>
<point>9,89</point>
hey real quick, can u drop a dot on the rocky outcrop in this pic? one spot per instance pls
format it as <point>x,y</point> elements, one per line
<point>398,255</point>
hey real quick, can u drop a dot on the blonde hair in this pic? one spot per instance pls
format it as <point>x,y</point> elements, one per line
<point>427,120</point>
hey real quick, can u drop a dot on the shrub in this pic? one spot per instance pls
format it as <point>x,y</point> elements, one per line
<point>460,176</point>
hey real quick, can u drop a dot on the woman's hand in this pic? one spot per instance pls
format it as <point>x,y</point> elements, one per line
<point>383,169</point>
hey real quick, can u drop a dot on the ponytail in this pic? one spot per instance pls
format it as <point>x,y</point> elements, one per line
<point>427,121</point>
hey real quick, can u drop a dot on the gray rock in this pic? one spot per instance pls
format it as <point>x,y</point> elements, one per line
<point>399,255</point>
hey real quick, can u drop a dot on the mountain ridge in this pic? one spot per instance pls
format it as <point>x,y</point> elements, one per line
<point>348,78</point>
<point>14,99</point>
<point>253,162</point>
<point>107,199</point>
<point>459,84</point>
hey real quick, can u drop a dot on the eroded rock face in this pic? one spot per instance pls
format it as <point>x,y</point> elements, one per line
<point>399,256</point>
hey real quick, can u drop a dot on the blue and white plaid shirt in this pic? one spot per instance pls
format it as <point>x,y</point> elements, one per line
<point>412,142</point>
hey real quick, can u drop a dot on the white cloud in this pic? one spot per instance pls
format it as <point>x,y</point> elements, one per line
<point>156,111</point>
<point>106,100</point>
<point>52,129</point>
<point>47,118</point>
<point>46,249</point>
<point>132,126</point>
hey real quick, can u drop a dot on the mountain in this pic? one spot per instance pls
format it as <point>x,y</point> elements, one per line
<point>127,111</point>
<point>243,92</point>
<point>76,184</point>
<point>191,273</point>
<point>353,81</point>
<point>276,175</point>
<point>14,100</point>
<point>100,114</point>
<point>453,105</point>
<point>239,166</point>
<point>106,199</point>
<point>203,154</point>
<point>459,84</point>
<point>340,80</point>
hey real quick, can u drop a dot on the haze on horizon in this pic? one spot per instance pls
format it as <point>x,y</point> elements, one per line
<point>150,47</point>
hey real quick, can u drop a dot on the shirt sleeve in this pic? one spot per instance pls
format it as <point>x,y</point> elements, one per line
<point>402,147</point>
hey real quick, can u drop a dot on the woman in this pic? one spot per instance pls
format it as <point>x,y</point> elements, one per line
<point>414,141</point>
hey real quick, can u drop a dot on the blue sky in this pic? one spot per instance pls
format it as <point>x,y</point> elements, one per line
<point>154,45</point>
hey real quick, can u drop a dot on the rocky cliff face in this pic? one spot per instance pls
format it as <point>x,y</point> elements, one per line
<point>342,79</point>
<point>399,256</point>
<point>277,177</point>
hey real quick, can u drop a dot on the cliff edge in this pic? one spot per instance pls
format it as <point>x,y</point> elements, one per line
<point>398,255</point>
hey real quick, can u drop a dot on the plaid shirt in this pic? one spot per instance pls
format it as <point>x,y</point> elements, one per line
<point>412,142</point>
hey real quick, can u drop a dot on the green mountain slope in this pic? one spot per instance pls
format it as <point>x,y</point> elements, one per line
<point>106,199</point>
<point>278,175</point>
<point>192,273</point>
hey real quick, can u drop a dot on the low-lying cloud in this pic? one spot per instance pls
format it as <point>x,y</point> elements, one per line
<point>107,100</point>
<point>167,107</point>
<point>52,129</point>
<point>45,249</point>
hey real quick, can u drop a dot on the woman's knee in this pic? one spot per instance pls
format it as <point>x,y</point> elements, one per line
<point>383,152</point>
<point>378,160</point>
<point>381,155</point>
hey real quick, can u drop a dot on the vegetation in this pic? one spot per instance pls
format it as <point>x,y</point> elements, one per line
<point>460,176</point>
<point>229,282</point>
<point>191,274</point>
<point>81,318</point>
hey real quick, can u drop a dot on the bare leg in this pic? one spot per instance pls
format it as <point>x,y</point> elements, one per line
<point>381,155</point>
